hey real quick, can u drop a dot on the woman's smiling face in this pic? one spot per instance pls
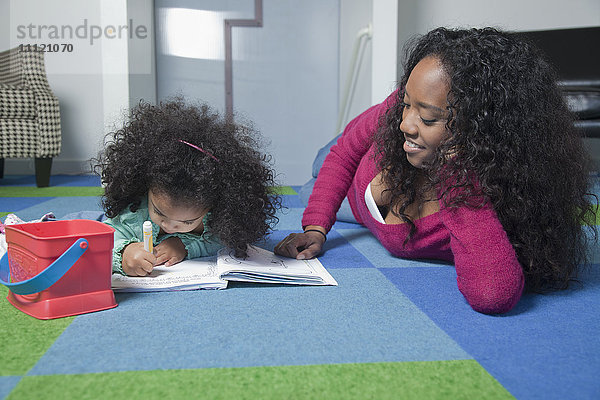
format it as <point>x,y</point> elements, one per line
<point>425,111</point>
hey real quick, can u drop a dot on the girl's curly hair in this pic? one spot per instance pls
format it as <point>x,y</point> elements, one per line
<point>511,139</point>
<point>235,183</point>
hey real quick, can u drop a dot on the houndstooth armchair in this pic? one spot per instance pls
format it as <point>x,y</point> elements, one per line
<point>29,112</point>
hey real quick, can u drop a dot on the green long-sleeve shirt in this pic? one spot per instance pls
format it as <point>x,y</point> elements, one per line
<point>128,229</point>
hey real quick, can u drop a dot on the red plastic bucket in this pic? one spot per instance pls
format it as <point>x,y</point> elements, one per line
<point>81,285</point>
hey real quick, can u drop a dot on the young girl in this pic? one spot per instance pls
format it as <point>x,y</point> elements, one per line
<point>473,160</point>
<point>196,176</point>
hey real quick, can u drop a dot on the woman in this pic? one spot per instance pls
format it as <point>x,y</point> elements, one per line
<point>473,160</point>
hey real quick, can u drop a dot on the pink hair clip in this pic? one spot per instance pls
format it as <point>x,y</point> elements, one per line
<point>200,149</point>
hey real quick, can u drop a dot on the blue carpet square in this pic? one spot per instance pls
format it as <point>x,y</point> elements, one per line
<point>291,201</point>
<point>60,206</point>
<point>347,225</point>
<point>371,248</point>
<point>364,319</point>
<point>290,219</point>
<point>548,347</point>
<point>7,384</point>
<point>16,205</point>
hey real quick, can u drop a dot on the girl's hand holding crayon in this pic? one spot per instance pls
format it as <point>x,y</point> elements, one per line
<point>136,261</point>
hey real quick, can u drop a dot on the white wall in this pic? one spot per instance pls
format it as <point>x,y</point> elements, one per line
<point>285,73</point>
<point>287,81</point>
<point>92,83</point>
<point>385,35</point>
<point>378,68</point>
<point>142,54</point>
<point>355,15</point>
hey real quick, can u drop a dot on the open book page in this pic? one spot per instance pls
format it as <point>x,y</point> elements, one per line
<point>261,266</point>
<point>199,273</point>
<point>266,267</point>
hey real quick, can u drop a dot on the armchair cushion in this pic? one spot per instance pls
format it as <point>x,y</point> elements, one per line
<point>16,102</point>
<point>29,111</point>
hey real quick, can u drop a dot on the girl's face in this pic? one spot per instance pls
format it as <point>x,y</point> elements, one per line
<point>425,111</point>
<point>172,217</point>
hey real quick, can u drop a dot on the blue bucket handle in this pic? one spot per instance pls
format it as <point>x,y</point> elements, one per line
<point>47,277</point>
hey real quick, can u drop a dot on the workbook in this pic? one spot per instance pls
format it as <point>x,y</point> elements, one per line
<point>261,266</point>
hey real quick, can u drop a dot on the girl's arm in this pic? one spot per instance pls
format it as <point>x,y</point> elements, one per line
<point>488,272</point>
<point>197,245</point>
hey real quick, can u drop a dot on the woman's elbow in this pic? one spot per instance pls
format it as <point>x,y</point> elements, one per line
<point>494,296</point>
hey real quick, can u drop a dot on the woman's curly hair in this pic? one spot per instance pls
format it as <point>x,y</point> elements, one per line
<point>511,139</point>
<point>231,177</point>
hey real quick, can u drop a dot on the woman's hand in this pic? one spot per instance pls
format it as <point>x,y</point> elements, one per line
<point>136,261</point>
<point>170,251</point>
<point>302,246</point>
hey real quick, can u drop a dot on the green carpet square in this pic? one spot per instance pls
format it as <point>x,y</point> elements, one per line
<point>24,338</point>
<point>464,379</point>
<point>283,190</point>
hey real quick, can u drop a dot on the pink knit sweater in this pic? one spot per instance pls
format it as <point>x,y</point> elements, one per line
<point>488,273</point>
